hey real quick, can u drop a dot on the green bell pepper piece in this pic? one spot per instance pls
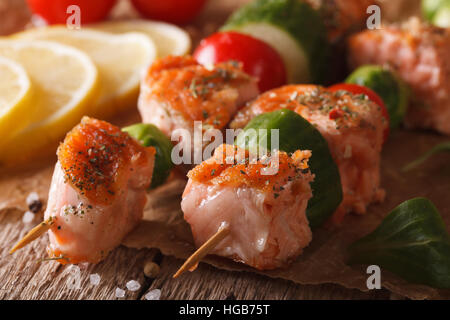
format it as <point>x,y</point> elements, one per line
<point>150,136</point>
<point>296,133</point>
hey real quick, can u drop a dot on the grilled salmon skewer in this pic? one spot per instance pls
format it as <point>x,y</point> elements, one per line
<point>177,91</point>
<point>420,54</point>
<point>97,193</point>
<point>262,211</point>
<point>353,127</point>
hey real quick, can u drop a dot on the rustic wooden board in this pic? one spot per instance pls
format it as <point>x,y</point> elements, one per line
<point>22,276</point>
<point>210,283</point>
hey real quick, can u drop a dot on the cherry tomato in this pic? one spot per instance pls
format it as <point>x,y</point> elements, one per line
<point>55,11</point>
<point>173,11</point>
<point>357,89</point>
<point>257,57</point>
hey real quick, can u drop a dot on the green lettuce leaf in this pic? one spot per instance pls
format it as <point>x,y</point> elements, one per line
<point>411,242</point>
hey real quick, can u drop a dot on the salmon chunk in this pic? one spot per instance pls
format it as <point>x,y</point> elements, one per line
<point>420,54</point>
<point>98,191</point>
<point>353,127</point>
<point>177,91</point>
<point>265,211</point>
<point>342,17</point>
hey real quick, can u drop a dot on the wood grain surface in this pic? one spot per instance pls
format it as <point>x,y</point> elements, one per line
<point>24,276</point>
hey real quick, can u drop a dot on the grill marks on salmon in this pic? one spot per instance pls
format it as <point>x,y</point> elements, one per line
<point>177,91</point>
<point>98,191</point>
<point>420,54</point>
<point>265,213</point>
<point>353,127</point>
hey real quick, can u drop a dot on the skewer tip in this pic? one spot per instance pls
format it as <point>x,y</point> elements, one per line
<point>192,262</point>
<point>33,234</point>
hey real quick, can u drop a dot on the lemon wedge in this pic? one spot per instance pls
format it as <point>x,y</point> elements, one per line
<point>15,98</point>
<point>168,38</point>
<point>64,82</point>
<point>120,59</point>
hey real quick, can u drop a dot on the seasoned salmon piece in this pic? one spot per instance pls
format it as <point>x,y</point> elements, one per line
<point>177,91</point>
<point>342,17</point>
<point>98,191</point>
<point>420,54</point>
<point>265,210</point>
<point>353,127</point>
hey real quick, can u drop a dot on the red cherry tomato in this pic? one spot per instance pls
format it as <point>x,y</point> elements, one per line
<point>257,57</point>
<point>173,11</point>
<point>357,89</point>
<point>55,11</point>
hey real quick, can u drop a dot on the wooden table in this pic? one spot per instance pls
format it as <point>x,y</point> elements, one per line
<point>23,277</point>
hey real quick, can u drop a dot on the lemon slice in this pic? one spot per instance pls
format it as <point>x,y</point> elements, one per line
<point>169,39</point>
<point>64,84</point>
<point>15,98</point>
<point>120,59</point>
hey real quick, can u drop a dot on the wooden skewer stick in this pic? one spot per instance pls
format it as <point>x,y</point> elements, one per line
<point>192,262</point>
<point>33,234</point>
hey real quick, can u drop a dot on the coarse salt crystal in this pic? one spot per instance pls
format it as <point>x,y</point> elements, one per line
<point>261,243</point>
<point>133,285</point>
<point>223,224</point>
<point>32,197</point>
<point>153,295</point>
<point>94,279</point>
<point>28,217</point>
<point>120,293</point>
